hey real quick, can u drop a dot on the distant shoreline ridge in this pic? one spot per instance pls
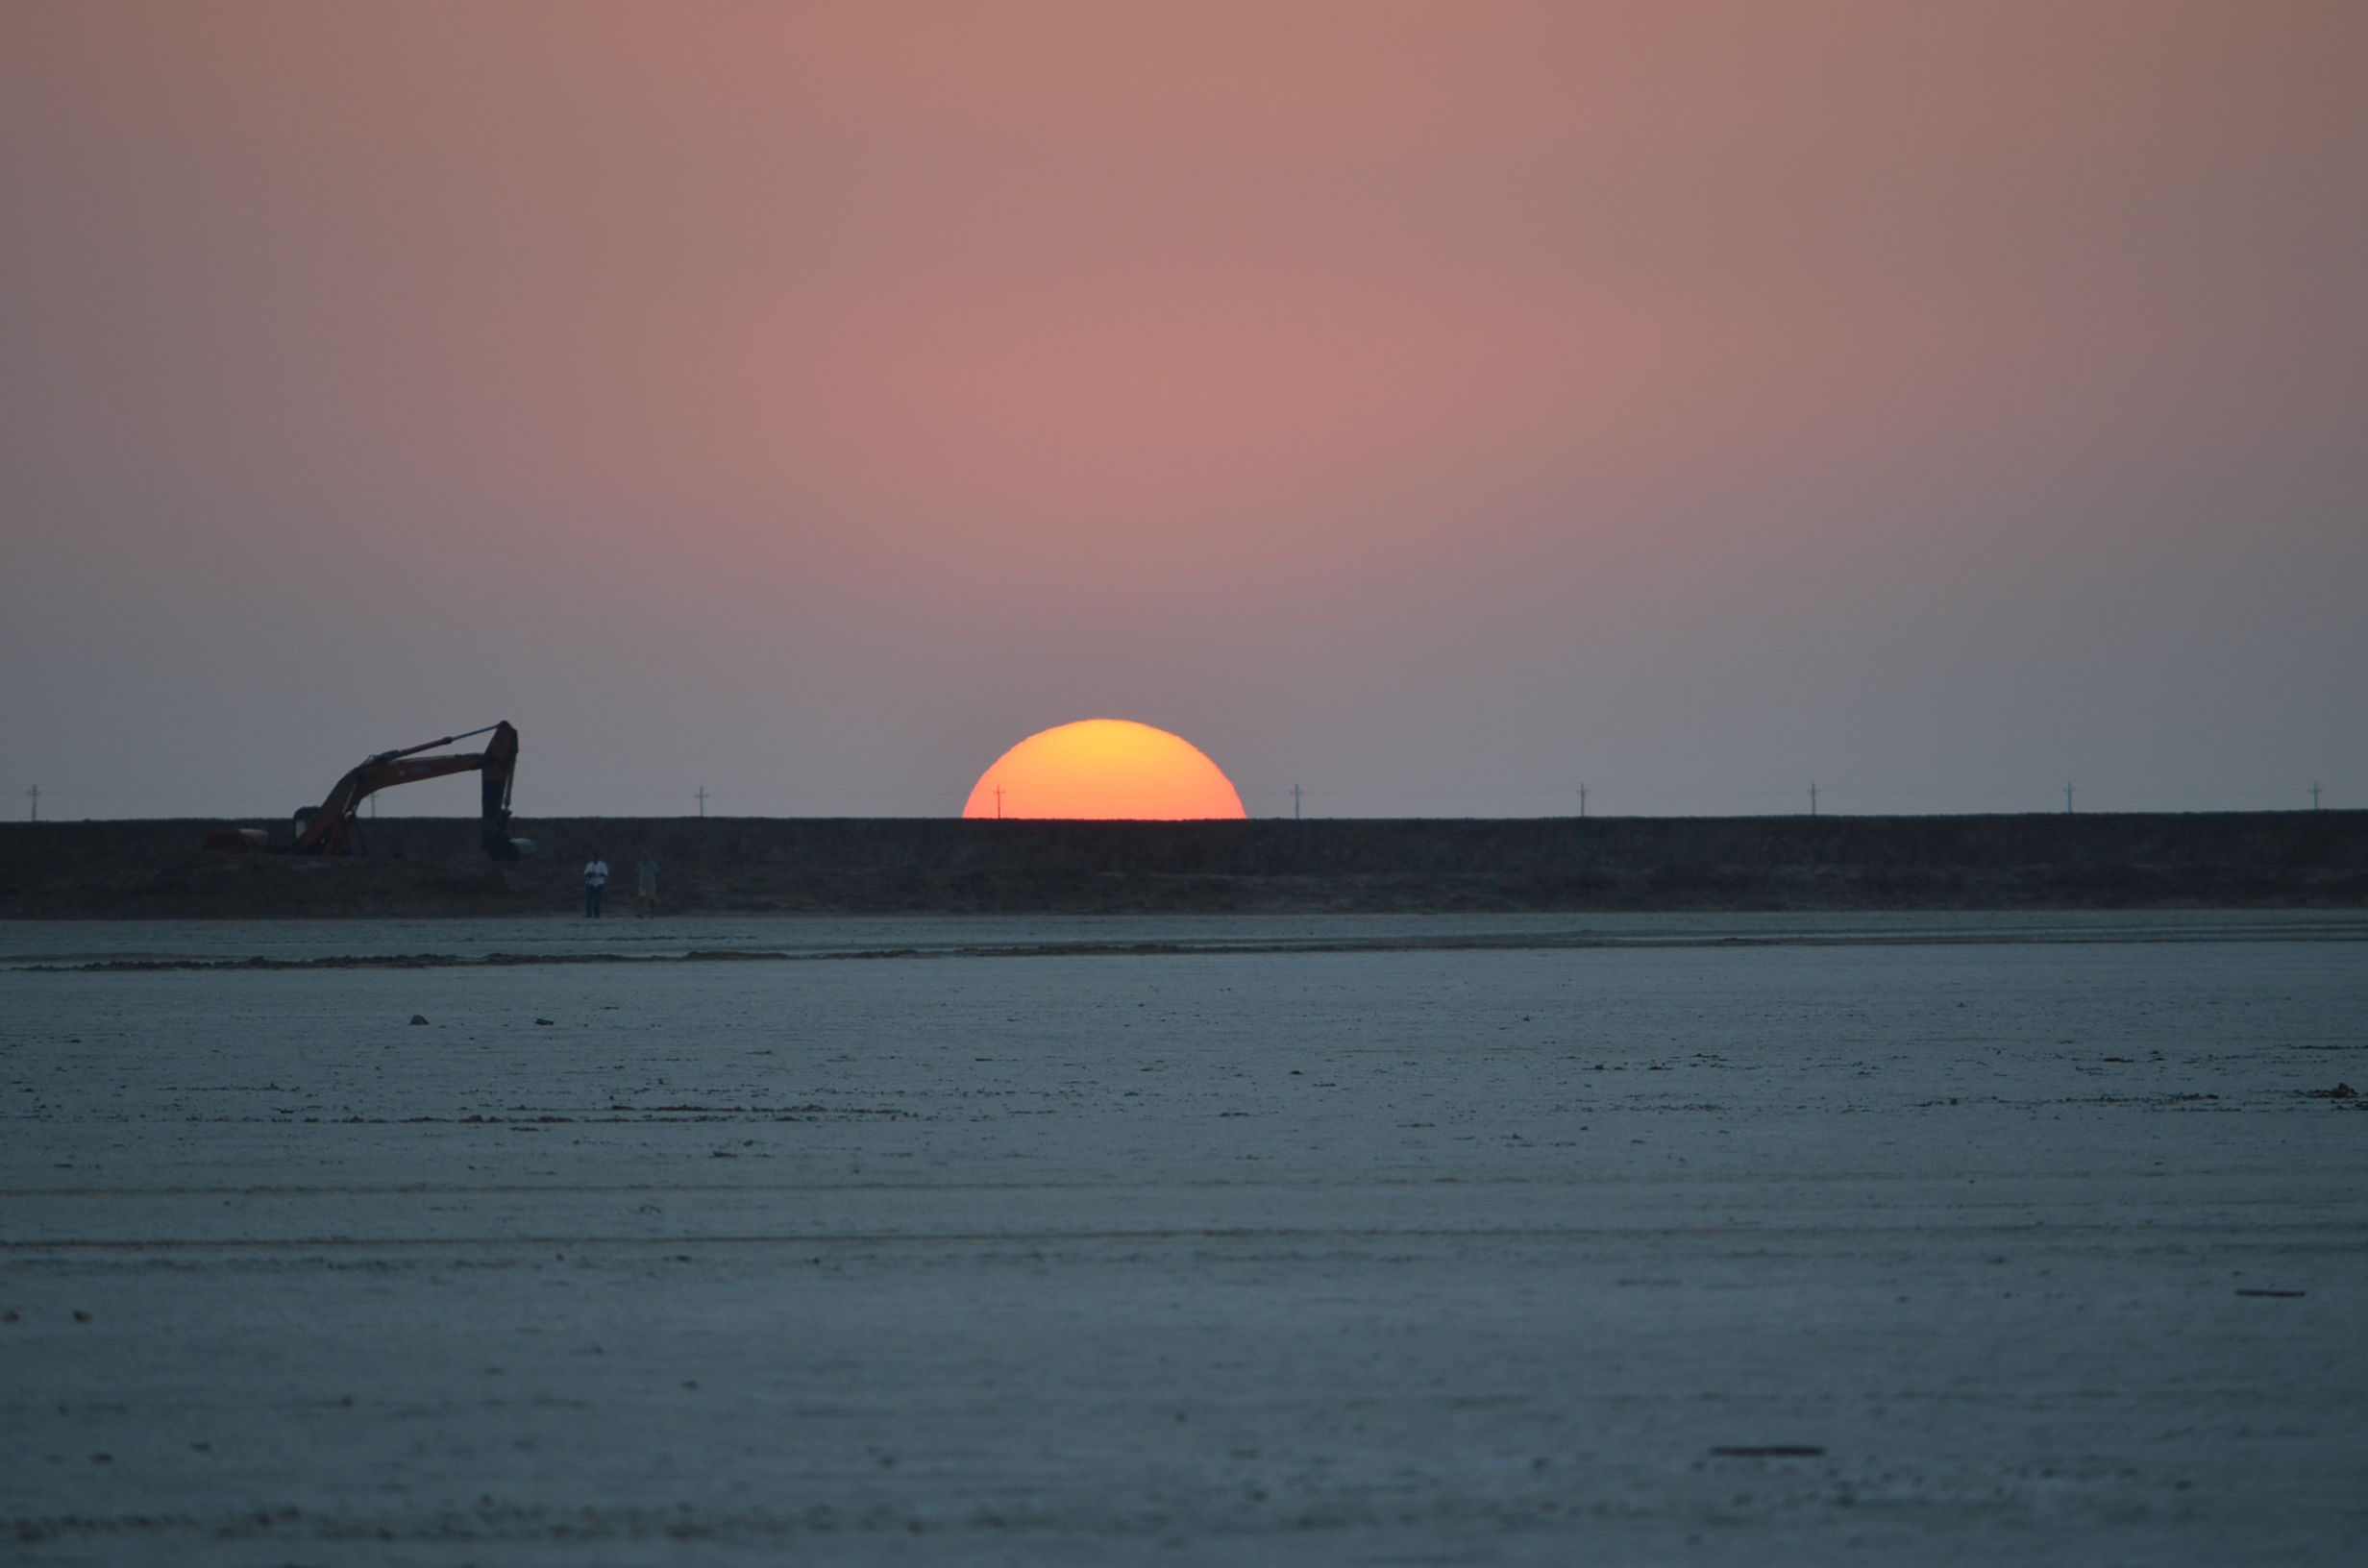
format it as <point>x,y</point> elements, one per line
<point>433,867</point>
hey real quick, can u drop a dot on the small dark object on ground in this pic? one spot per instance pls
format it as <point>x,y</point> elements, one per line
<point>2341,1091</point>
<point>419,1017</point>
<point>546,1022</point>
<point>1767,1450</point>
<point>2281,1295</point>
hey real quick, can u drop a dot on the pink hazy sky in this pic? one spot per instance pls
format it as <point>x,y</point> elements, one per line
<point>1436,405</point>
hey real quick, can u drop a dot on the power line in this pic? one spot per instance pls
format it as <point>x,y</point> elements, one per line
<point>1365,796</point>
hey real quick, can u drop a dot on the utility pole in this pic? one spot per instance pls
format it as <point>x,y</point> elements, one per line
<point>1582,800</point>
<point>702,799</point>
<point>998,802</point>
<point>2067,799</point>
<point>2314,798</point>
<point>1294,802</point>
<point>1812,800</point>
<point>34,795</point>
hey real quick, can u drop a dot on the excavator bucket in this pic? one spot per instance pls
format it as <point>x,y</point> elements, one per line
<point>499,845</point>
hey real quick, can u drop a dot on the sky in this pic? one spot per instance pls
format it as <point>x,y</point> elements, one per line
<point>1438,406</point>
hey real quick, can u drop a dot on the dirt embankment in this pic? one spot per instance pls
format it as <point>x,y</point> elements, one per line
<point>433,867</point>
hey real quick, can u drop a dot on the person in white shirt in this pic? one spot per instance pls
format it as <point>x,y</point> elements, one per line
<point>595,883</point>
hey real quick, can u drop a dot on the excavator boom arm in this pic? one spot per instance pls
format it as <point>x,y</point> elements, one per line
<point>331,825</point>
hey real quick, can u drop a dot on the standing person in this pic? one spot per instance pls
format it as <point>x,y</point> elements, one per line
<point>645,876</point>
<point>595,883</point>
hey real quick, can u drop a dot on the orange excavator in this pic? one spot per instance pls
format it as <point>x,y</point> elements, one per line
<point>329,828</point>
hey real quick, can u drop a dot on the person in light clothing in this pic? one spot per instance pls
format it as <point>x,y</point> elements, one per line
<point>595,883</point>
<point>645,876</point>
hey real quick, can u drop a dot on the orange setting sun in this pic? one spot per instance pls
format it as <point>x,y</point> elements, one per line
<point>1104,769</point>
